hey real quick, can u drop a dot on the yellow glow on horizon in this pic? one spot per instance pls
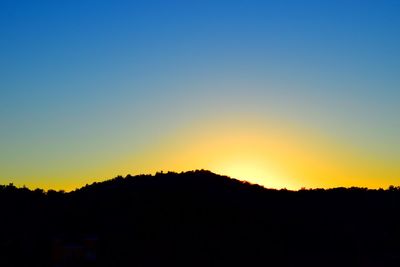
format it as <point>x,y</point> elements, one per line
<point>263,152</point>
<point>262,155</point>
<point>253,170</point>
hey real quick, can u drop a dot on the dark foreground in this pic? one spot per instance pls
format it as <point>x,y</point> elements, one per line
<point>198,219</point>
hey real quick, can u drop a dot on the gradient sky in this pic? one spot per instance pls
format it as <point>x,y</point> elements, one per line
<point>282,93</point>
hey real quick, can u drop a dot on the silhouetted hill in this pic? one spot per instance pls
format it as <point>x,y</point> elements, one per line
<point>198,219</point>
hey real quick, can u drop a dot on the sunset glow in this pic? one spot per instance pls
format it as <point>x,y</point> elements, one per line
<point>283,95</point>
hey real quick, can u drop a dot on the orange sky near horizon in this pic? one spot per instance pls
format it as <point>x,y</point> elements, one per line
<point>271,155</point>
<point>266,153</point>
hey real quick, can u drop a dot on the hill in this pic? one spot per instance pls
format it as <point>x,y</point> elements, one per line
<point>198,218</point>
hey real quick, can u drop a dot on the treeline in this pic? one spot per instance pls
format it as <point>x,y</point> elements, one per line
<point>198,218</point>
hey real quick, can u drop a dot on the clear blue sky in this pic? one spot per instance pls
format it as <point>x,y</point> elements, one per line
<point>86,85</point>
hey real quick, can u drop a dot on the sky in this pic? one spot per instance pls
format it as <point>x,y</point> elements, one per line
<point>287,94</point>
